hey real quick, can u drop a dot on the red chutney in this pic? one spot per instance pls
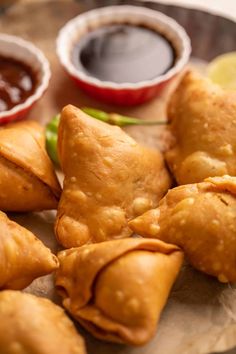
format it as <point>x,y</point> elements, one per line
<point>17,82</point>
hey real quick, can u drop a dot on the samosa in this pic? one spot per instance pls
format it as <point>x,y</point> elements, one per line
<point>23,257</point>
<point>109,179</point>
<point>27,178</point>
<point>201,219</point>
<point>117,289</point>
<point>34,325</point>
<point>203,124</point>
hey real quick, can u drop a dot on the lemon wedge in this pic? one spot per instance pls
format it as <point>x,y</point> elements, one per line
<point>222,70</point>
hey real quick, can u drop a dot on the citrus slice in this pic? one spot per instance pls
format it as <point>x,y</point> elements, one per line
<point>222,70</point>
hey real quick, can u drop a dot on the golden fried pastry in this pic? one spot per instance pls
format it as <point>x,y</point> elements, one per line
<point>117,289</point>
<point>27,179</point>
<point>109,179</point>
<point>203,123</point>
<point>201,219</point>
<point>34,325</point>
<point>23,257</point>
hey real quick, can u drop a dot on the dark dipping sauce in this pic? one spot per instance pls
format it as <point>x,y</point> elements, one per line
<point>17,83</point>
<point>124,54</point>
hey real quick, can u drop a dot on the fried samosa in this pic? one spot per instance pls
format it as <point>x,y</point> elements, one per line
<point>201,219</point>
<point>203,125</point>
<point>117,289</point>
<point>23,257</point>
<point>109,179</point>
<point>27,179</point>
<point>34,325</point>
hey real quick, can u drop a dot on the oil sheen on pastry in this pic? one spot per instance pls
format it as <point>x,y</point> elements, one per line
<point>117,289</point>
<point>27,179</point>
<point>34,325</point>
<point>109,179</point>
<point>23,257</point>
<point>203,125</point>
<point>201,219</point>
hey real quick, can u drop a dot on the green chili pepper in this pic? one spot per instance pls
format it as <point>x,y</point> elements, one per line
<point>111,118</point>
<point>118,119</point>
<point>51,138</point>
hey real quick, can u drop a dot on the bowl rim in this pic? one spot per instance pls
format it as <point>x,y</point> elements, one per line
<point>45,70</point>
<point>66,30</point>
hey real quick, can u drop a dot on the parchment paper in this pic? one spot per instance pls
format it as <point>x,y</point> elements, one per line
<point>200,316</point>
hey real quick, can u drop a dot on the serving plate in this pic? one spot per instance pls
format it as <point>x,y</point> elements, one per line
<point>199,317</point>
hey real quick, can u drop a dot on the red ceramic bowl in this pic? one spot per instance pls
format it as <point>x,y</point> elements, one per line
<point>24,51</point>
<point>122,93</point>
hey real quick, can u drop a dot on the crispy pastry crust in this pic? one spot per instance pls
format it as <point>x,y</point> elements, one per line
<point>117,289</point>
<point>203,125</point>
<point>27,179</point>
<point>199,218</point>
<point>33,325</point>
<point>23,257</point>
<point>109,179</point>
